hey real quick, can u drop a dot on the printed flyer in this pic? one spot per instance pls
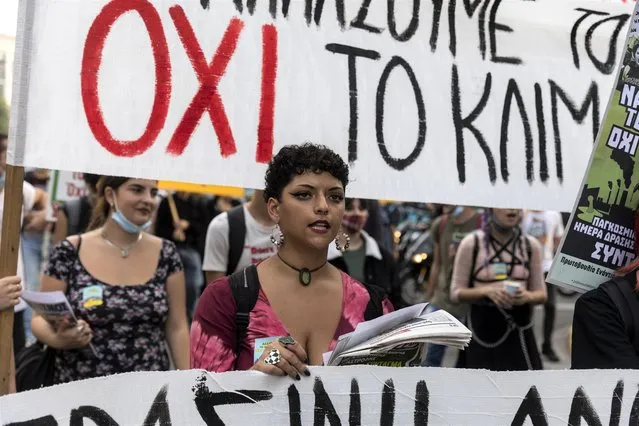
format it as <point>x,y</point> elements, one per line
<point>599,238</point>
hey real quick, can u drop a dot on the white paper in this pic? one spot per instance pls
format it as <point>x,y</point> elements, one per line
<point>50,303</point>
<point>368,329</point>
<point>390,333</point>
<point>53,306</point>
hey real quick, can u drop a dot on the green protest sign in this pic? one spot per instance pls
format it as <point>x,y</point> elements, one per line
<point>600,235</point>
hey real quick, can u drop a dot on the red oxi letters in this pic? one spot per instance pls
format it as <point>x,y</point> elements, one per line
<point>207,97</point>
<point>267,101</point>
<point>92,59</point>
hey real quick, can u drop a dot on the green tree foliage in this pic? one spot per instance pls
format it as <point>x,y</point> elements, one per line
<point>4,116</point>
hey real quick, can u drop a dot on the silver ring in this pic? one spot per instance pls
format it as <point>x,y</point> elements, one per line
<point>286,341</point>
<point>273,358</point>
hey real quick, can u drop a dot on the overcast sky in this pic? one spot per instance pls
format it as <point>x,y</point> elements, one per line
<point>8,16</point>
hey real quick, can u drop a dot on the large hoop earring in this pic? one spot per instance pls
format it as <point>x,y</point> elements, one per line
<point>347,243</point>
<point>277,240</point>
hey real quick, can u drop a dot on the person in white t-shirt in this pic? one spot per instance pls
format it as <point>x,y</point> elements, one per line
<point>257,242</point>
<point>34,200</point>
<point>548,228</point>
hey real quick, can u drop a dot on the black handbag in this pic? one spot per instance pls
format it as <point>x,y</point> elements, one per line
<point>35,366</point>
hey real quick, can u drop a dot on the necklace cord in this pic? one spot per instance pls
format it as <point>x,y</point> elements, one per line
<point>305,275</point>
<point>124,251</point>
<point>301,269</point>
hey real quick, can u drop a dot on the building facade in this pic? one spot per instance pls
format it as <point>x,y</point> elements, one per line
<point>7,49</point>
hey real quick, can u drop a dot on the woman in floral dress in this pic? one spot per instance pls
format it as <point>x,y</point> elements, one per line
<point>126,288</point>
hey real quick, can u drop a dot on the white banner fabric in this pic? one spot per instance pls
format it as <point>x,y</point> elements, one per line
<point>336,396</point>
<point>483,102</point>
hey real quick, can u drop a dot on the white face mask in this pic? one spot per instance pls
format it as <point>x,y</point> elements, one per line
<point>126,224</point>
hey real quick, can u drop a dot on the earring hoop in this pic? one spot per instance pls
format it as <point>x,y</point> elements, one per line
<point>278,241</point>
<point>347,244</point>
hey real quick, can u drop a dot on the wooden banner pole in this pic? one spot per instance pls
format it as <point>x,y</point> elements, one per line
<point>9,249</point>
<point>173,208</point>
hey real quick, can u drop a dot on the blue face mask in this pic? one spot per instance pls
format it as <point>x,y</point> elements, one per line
<point>458,211</point>
<point>126,224</point>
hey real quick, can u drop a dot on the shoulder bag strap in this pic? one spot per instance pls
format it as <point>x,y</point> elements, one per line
<point>237,235</point>
<point>473,264</point>
<point>245,288</point>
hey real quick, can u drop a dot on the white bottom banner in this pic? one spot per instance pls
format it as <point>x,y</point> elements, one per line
<point>336,396</point>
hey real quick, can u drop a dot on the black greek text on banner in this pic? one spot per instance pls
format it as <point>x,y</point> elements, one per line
<point>487,102</point>
<point>336,396</point>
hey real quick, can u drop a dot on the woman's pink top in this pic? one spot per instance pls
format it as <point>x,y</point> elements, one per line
<point>213,328</point>
<point>532,277</point>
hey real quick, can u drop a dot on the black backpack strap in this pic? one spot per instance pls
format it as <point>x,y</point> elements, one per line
<point>473,264</point>
<point>245,287</point>
<point>72,210</point>
<point>374,308</point>
<point>620,292</point>
<point>237,235</point>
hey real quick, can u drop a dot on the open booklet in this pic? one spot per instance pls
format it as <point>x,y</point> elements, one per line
<point>54,307</point>
<point>398,339</point>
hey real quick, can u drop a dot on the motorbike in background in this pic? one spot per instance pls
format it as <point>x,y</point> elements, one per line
<point>413,251</point>
<point>413,225</point>
<point>414,269</point>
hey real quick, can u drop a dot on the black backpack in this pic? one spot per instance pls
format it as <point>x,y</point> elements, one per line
<point>620,290</point>
<point>35,367</point>
<point>245,287</point>
<point>237,235</point>
<point>77,210</point>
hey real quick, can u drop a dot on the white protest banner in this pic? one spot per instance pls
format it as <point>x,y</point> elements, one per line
<point>337,396</point>
<point>65,186</point>
<point>464,102</point>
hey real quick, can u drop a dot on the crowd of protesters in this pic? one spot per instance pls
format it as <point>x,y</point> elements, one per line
<point>140,267</point>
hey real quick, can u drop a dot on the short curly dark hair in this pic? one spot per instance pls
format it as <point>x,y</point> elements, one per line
<point>294,160</point>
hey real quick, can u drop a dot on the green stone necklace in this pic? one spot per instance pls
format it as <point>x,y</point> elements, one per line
<point>304,273</point>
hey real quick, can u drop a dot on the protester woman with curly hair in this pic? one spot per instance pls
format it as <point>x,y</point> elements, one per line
<point>498,272</point>
<point>303,303</point>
